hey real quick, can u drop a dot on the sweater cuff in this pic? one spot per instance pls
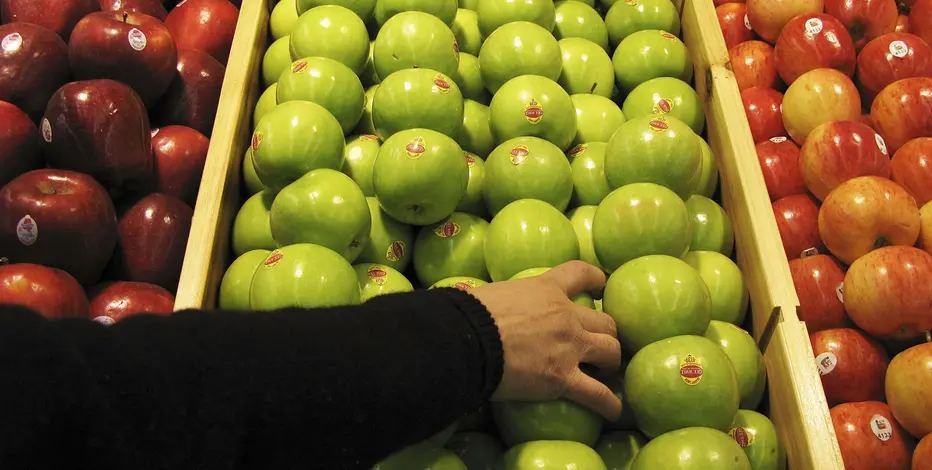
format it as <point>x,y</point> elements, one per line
<point>484,325</point>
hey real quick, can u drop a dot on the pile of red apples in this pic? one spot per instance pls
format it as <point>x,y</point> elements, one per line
<point>106,107</point>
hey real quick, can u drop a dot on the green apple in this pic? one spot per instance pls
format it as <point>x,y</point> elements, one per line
<point>756,434</point>
<point>518,48</point>
<point>656,297</point>
<point>581,218</point>
<point>368,75</point>
<point>414,39</point>
<point>649,54</point>
<point>469,79</point>
<point>475,134</point>
<point>251,229</point>
<point>268,100</point>
<point>334,32</point>
<point>459,282</point>
<point>587,162</point>
<point>420,175</point>
<point>637,220</point>
<point>555,420</point>
<point>284,16</point>
<point>626,18</point>
<point>466,29</point>
<point>692,448</point>
<point>328,83</point>
<point>359,156</point>
<point>597,118</point>
<point>479,451</point>
<point>711,226</point>
<point>441,438</point>
<point>250,178</point>
<point>666,95</point>
<point>469,4</point>
<point>324,207</point>
<point>552,455</point>
<point>707,181</point>
<point>453,247</point>
<point>575,19</point>
<point>531,105</point>
<point>365,125</point>
<point>527,168</point>
<point>421,457</point>
<point>472,200</point>
<point>586,68</point>
<point>362,8</point>
<point>417,98</point>
<point>654,149</point>
<point>378,279</point>
<point>276,60</point>
<point>303,275</point>
<point>496,13</point>
<point>747,359</point>
<point>582,298</point>
<point>234,287</point>
<point>528,234</point>
<point>445,10</point>
<point>618,449</point>
<point>725,282</point>
<point>680,382</point>
<point>390,242</point>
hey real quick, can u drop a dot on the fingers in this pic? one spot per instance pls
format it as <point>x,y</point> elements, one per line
<point>604,351</point>
<point>594,395</point>
<point>596,322</point>
<point>575,277</point>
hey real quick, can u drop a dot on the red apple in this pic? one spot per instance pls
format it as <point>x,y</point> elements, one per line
<point>33,64</point>
<point>205,25</point>
<point>925,227</point>
<point>779,162</point>
<point>134,48</point>
<point>838,151</point>
<point>153,234</point>
<point>762,106</point>
<point>852,366</point>
<point>767,17</point>
<point>58,15</point>
<point>19,143</point>
<point>58,218</point>
<point>865,19</point>
<point>887,292</point>
<point>99,127</point>
<point>813,41</point>
<point>192,98</point>
<point>733,20</point>
<point>909,390</point>
<point>50,292</point>
<point>114,301</point>
<point>797,220</point>
<point>869,437</point>
<point>920,20</point>
<point>180,154</point>
<point>722,2</point>
<point>819,281</point>
<point>753,64</point>
<point>912,168</point>
<point>922,456</point>
<point>903,111</point>
<point>148,7</point>
<point>902,24</point>
<point>817,97</point>
<point>892,57</point>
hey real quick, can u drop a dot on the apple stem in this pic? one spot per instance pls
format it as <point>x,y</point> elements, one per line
<point>125,16</point>
<point>928,336</point>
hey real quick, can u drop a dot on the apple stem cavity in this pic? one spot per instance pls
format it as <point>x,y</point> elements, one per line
<point>125,16</point>
<point>928,332</point>
<point>881,242</point>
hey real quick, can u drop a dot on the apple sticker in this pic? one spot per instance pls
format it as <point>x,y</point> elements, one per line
<point>813,26</point>
<point>137,39</point>
<point>742,436</point>
<point>377,274</point>
<point>881,144</point>
<point>691,370</point>
<point>899,49</point>
<point>46,128</point>
<point>395,251</point>
<point>881,427</point>
<point>826,362</point>
<point>11,42</point>
<point>27,230</point>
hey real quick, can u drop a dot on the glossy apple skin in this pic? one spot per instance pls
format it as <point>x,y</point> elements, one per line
<point>50,292</point>
<point>192,98</point>
<point>204,25</point>
<point>817,280</point>
<point>925,232</point>
<point>30,73</point>
<point>817,97</point>
<point>879,67</point>
<point>851,365</point>
<point>148,7</point>
<point>779,162</point>
<point>754,65</point>
<point>920,20</point>
<point>909,390</point>
<point>732,18</point>
<point>153,234</point>
<point>810,42</point>
<point>762,106</point>
<point>19,143</point>
<point>74,218</point>
<point>797,221</point>
<point>912,168</point>
<point>861,448</point>
<point>922,455</point>
<point>887,292</point>
<point>114,301</point>
<point>768,17</point>
<point>902,24</point>
<point>180,154</point>
<point>864,19</point>
<point>903,111</point>
<point>58,15</point>
<point>838,151</point>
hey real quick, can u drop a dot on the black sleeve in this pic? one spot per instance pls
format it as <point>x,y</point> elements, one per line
<point>333,388</point>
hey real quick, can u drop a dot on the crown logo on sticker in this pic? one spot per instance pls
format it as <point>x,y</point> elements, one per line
<point>658,125</point>
<point>577,150</point>
<point>470,160</point>
<point>691,370</point>
<point>256,141</point>
<point>395,251</point>
<point>533,112</point>
<point>274,258</point>
<point>663,106</point>
<point>441,85</point>
<point>415,148</point>
<point>299,66</point>
<point>519,154</point>
<point>377,275</point>
<point>447,229</point>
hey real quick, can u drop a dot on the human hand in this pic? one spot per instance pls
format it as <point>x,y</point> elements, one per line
<point>545,337</point>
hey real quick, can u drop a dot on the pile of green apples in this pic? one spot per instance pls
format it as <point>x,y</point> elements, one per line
<point>436,143</point>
